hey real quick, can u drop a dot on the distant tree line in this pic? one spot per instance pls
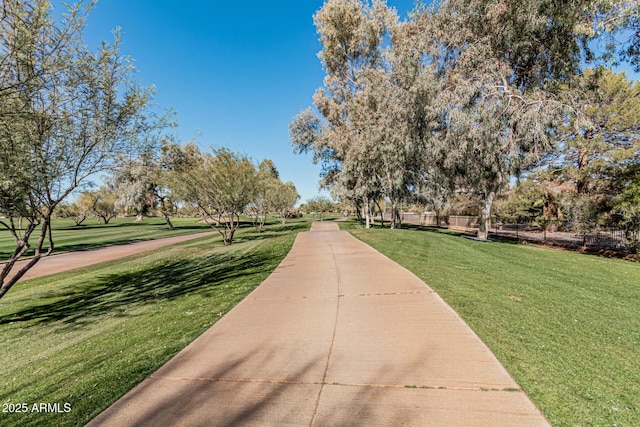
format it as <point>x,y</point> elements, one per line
<point>218,186</point>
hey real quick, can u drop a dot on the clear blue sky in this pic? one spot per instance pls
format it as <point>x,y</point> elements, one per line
<point>235,72</point>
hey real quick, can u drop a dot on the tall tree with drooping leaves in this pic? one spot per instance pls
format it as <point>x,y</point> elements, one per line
<point>495,115</point>
<point>66,113</point>
<point>369,106</point>
<point>352,47</point>
<point>144,183</point>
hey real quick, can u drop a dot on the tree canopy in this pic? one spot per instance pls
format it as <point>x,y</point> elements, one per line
<point>462,95</point>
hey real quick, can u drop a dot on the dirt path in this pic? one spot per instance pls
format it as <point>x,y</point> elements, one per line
<point>72,260</point>
<point>338,335</point>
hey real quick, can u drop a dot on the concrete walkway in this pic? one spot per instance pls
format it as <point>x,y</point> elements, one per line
<point>338,335</point>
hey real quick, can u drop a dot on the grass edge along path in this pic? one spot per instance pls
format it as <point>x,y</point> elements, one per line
<point>564,324</point>
<point>84,338</point>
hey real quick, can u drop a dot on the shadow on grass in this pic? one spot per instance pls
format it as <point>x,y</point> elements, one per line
<point>163,226</point>
<point>117,293</point>
<point>272,231</point>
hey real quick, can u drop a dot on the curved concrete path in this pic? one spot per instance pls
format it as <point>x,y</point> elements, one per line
<point>338,335</point>
<point>66,261</point>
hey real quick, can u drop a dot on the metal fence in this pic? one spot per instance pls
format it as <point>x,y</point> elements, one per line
<point>605,238</point>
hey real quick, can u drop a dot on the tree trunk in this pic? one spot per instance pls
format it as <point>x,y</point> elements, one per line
<point>394,212</point>
<point>21,248</point>
<point>168,220</point>
<point>381,213</point>
<point>367,213</point>
<point>394,202</point>
<point>583,161</point>
<point>356,202</point>
<point>5,285</point>
<point>165,213</point>
<point>79,220</point>
<point>485,218</point>
<point>398,218</point>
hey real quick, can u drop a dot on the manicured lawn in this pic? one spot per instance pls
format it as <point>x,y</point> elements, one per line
<point>69,237</point>
<point>566,325</point>
<point>87,337</point>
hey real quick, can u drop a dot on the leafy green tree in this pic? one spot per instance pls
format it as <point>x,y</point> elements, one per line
<point>627,208</point>
<point>603,131</point>
<point>272,195</point>
<point>373,106</point>
<point>599,144</point>
<point>284,196</point>
<point>495,115</point>
<point>144,183</point>
<point>105,206</point>
<point>319,205</point>
<point>85,205</point>
<point>533,200</point>
<point>351,39</point>
<point>66,113</point>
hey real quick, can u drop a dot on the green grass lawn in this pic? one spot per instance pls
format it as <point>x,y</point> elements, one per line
<point>565,325</point>
<point>87,337</point>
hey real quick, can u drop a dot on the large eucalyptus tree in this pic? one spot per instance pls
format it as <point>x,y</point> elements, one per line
<point>369,105</point>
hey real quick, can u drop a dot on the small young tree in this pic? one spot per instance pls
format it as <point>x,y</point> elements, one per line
<point>221,185</point>
<point>267,178</point>
<point>283,197</point>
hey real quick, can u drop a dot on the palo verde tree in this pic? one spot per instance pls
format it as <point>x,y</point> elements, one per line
<point>65,113</point>
<point>283,196</point>
<point>220,185</point>
<point>272,195</point>
<point>84,206</point>
<point>267,178</point>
